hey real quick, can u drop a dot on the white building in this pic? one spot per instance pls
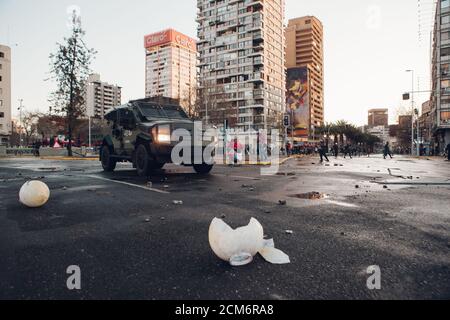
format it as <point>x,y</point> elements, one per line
<point>440,97</point>
<point>242,74</point>
<point>381,132</point>
<point>101,97</point>
<point>5,94</point>
<point>171,67</point>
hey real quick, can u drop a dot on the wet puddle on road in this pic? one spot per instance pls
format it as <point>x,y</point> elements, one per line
<point>310,196</point>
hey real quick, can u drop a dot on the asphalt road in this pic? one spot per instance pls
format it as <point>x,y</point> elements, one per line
<point>132,242</point>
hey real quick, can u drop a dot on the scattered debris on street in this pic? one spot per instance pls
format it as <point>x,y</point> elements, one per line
<point>239,246</point>
<point>34,194</point>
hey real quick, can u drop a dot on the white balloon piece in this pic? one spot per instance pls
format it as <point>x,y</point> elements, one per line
<point>238,247</point>
<point>34,194</point>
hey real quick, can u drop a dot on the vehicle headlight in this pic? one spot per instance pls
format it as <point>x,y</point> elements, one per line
<point>162,134</point>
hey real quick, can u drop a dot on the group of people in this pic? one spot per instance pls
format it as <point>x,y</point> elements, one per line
<point>349,150</point>
<point>295,149</point>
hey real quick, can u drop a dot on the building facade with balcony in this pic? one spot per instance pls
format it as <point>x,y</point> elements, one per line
<point>171,68</point>
<point>242,75</point>
<point>440,98</point>
<point>5,95</point>
<point>304,48</point>
<point>101,97</point>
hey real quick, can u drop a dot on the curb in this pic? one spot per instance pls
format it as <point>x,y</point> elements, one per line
<point>69,159</point>
<point>291,158</point>
<point>247,163</point>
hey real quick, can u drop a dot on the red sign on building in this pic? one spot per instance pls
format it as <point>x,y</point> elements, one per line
<point>169,36</point>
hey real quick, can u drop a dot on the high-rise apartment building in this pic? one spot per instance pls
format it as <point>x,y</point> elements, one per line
<point>304,49</point>
<point>242,63</point>
<point>378,117</point>
<point>171,68</point>
<point>5,94</point>
<point>440,98</point>
<point>101,97</point>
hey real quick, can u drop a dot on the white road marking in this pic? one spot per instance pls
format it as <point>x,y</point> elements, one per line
<point>342,204</point>
<point>129,184</point>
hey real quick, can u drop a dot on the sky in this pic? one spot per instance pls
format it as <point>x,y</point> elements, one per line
<point>368,46</point>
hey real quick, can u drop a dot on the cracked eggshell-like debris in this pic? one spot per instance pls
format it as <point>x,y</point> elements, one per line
<point>274,256</point>
<point>227,243</point>
<point>34,194</point>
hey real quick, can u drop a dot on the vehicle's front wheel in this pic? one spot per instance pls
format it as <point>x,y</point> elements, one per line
<point>203,168</point>
<point>143,160</point>
<point>108,163</point>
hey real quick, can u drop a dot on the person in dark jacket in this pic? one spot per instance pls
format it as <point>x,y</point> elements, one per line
<point>448,152</point>
<point>336,150</point>
<point>323,151</point>
<point>348,151</point>
<point>387,151</point>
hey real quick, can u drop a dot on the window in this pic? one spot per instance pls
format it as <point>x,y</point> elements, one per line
<point>445,117</point>
<point>445,51</point>
<point>445,4</point>
<point>445,36</point>
<point>2,115</point>
<point>0,78</point>
<point>2,55</point>
<point>1,66</point>
<point>445,69</point>
<point>445,19</point>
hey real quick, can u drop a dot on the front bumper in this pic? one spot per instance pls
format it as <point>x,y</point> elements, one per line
<point>163,153</point>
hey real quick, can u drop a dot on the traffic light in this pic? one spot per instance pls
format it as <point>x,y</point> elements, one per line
<point>287,120</point>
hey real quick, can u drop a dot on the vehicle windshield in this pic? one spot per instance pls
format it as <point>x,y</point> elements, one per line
<point>150,111</point>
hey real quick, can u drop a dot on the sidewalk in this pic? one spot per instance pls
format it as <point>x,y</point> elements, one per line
<point>282,160</point>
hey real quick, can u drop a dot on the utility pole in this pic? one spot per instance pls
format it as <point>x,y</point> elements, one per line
<point>412,113</point>
<point>20,121</point>
<point>90,144</point>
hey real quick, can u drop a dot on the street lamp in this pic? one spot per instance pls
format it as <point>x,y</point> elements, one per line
<point>412,113</point>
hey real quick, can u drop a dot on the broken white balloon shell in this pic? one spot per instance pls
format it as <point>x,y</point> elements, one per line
<point>239,246</point>
<point>34,194</point>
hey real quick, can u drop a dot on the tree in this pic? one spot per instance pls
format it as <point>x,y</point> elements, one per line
<point>70,67</point>
<point>30,125</point>
<point>49,126</point>
<point>188,102</point>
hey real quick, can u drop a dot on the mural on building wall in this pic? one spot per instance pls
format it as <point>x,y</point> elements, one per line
<point>298,100</point>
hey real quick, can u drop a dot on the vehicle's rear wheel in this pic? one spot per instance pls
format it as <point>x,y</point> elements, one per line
<point>108,163</point>
<point>143,160</point>
<point>203,168</point>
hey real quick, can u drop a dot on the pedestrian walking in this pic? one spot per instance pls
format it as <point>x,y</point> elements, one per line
<point>348,151</point>
<point>323,151</point>
<point>336,150</point>
<point>288,148</point>
<point>448,152</point>
<point>387,151</point>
